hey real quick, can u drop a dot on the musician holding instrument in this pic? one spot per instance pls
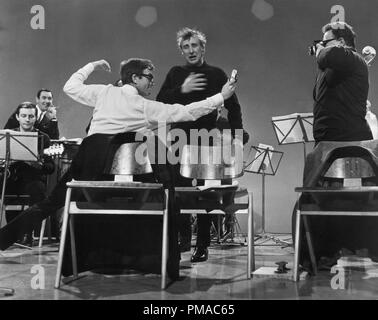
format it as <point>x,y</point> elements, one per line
<point>29,178</point>
<point>46,120</point>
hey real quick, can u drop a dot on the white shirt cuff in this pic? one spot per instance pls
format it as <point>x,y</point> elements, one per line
<point>217,100</point>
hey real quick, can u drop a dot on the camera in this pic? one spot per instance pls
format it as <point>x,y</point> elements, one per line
<point>312,49</point>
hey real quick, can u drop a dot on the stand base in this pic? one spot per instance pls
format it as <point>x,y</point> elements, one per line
<point>7,292</point>
<point>229,237</point>
<point>265,237</point>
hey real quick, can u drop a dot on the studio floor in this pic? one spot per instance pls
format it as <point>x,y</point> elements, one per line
<point>222,277</point>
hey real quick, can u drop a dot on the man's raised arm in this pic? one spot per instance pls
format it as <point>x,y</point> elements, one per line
<point>83,93</point>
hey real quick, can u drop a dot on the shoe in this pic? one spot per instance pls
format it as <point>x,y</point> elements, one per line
<point>185,246</point>
<point>200,255</point>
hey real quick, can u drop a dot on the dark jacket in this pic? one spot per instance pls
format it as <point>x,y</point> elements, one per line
<point>45,125</point>
<point>340,95</point>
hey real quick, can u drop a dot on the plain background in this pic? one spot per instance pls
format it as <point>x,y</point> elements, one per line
<point>266,41</point>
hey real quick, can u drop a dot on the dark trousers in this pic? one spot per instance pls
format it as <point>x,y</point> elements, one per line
<point>36,189</point>
<point>33,216</point>
<point>203,229</point>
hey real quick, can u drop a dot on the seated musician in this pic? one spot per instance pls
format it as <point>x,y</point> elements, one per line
<point>29,177</point>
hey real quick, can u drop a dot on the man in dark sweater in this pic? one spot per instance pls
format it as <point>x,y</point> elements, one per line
<point>194,81</point>
<point>341,88</point>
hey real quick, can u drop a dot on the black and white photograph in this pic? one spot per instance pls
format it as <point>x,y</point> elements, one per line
<point>188,155</point>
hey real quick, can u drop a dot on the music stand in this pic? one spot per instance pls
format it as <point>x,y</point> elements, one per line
<point>265,162</point>
<point>294,128</point>
<point>16,146</point>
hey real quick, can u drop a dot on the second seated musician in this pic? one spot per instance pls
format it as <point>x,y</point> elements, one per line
<point>30,177</point>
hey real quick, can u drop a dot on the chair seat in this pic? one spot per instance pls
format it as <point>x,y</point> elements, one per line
<point>214,205</point>
<point>120,205</point>
<point>212,198</point>
<point>16,199</point>
<point>221,190</point>
<point>113,185</point>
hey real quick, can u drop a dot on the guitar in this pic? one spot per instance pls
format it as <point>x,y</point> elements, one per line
<point>55,150</point>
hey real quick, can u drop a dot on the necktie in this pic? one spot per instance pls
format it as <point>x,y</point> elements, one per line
<point>40,117</point>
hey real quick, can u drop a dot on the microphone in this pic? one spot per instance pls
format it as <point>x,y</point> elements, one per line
<point>368,53</point>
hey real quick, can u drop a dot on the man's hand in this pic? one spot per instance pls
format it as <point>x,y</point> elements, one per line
<point>194,82</point>
<point>101,65</point>
<point>319,48</point>
<point>51,113</point>
<point>228,89</point>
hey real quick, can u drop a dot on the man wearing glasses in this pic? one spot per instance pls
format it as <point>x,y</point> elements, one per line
<point>341,88</point>
<point>194,81</point>
<point>340,95</point>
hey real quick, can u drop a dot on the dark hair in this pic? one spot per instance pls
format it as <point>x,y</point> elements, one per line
<point>187,33</point>
<point>133,66</point>
<point>341,30</point>
<point>118,83</point>
<point>27,105</point>
<point>42,90</point>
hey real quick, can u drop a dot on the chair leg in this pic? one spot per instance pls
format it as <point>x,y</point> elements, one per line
<point>63,238</point>
<point>297,243</point>
<point>164,255</point>
<point>73,249</point>
<point>251,237</point>
<point>310,245</point>
<point>219,221</point>
<point>41,233</point>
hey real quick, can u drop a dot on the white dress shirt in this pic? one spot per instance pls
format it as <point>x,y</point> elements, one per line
<point>122,109</point>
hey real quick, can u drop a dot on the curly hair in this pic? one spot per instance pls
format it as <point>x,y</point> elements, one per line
<point>187,33</point>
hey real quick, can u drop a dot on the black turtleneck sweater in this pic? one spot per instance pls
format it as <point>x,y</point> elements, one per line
<point>170,92</point>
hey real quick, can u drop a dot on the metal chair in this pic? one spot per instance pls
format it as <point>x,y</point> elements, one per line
<point>214,164</point>
<point>124,167</point>
<point>348,171</point>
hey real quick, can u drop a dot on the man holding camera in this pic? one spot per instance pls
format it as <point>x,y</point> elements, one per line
<point>341,88</point>
<point>340,96</point>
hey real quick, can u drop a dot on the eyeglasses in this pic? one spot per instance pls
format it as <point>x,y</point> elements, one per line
<point>148,76</point>
<point>323,42</point>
